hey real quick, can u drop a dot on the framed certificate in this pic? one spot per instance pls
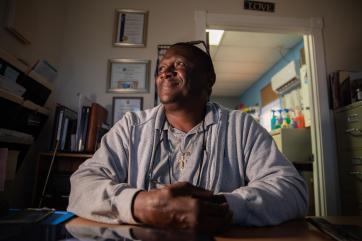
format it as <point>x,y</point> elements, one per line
<point>130,28</point>
<point>128,76</point>
<point>121,105</point>
<point>161,51</point>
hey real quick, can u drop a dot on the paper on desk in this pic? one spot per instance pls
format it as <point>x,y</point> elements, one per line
<point>3,159</point>
<point>11,164</point>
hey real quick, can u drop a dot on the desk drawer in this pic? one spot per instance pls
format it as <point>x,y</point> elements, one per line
<point>351,197</point>
<point>349,158</point>
<point>349,128</point>
<point>350,175</point>
<point>350,118</point>
<point>348,140</point>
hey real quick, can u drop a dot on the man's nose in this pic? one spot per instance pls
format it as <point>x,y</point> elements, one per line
<point>168,73</point>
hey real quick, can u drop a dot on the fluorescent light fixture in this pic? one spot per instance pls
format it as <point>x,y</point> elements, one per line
<point>215,36</point>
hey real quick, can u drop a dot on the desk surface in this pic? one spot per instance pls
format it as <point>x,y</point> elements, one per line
<point>292,230</point>
<point>82,229</point>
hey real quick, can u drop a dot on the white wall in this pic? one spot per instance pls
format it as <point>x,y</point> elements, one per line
<point>76,36</point>
<point>230,102</point>
<point>46,22</point>
<point>89,29</point>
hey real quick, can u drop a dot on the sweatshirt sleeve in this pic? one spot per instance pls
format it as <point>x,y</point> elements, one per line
<point>274,191</point>
<point>99,188</point>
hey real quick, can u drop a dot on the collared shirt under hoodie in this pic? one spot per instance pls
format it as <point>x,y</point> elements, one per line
<point>176,145</point>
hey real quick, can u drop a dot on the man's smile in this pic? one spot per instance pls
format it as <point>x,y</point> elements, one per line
<point>170,84</point>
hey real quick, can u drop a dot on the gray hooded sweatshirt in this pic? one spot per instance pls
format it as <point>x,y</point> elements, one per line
<point>243,163</point>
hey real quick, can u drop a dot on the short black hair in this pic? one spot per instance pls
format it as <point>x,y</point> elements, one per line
<point>204,57</point>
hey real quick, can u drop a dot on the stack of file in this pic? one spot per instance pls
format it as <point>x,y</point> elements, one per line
<point>79,132</point>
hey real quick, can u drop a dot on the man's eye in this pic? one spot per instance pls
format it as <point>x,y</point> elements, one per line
<point>161,69</point>
<point>180,64</point>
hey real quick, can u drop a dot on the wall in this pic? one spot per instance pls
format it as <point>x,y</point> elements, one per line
<point>251,96</point>
<point>76,36</point>
<point>230,102</point>
<point>46,22</point>
<point>88,46</point>
<point>89,29</point>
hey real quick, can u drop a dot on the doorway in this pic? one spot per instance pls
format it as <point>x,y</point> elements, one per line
<point>322,131</point>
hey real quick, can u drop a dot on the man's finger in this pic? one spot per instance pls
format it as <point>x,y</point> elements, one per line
<point>187,189</point>
<point>215,210</point>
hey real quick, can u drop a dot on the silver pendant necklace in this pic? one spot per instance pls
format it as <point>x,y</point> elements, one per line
<point>161,138</point>
<point>185,154</point>
<point>181,162</point>
<point>182,159</point>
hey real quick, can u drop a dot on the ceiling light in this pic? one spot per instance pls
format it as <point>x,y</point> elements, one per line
<point>215,36</point>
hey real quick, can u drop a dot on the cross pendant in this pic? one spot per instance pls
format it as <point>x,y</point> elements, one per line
<point>181,162</point>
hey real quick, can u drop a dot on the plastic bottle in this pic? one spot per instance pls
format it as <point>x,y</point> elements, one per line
<point>287,116</point>
<point>285,120</point>
<point>293,123</point>
<point>279,120</point>
<point>299,119</point>
<point>273,120</point>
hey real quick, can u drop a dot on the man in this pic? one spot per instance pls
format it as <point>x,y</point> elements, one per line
<point>188,163</point>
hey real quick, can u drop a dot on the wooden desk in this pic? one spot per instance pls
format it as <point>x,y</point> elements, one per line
<point>293,230</point>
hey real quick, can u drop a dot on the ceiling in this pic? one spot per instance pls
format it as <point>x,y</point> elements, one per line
<point>242,58</point>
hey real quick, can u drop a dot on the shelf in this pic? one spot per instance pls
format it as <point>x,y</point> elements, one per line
<point>67,154</point>
<point>58,187</point>
<point>279,130</point>
<point>26,103</point>
<point>11,59</point>
<point>16,137</point>
<point>41,80</point>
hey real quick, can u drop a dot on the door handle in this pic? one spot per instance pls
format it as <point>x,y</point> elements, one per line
<point>352,118</point>
<point>355,173</point>
<point>356,160</point>
<point>354,131</point>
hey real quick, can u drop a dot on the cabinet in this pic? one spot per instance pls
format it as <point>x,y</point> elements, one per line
<point>348,126</point>
<point>58,187</point>
<point>295,144</point>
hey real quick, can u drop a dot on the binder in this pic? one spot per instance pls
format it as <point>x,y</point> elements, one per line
<point>83,128</point>
<point>61,129</point>
<point>98,116</point>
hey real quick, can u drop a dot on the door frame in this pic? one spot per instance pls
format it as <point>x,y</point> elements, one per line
<point>325,172</point>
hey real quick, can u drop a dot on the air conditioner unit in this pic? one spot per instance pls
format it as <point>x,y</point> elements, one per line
<point>286,79</point>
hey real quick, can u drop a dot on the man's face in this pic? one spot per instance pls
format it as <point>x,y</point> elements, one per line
<point>181,77</point>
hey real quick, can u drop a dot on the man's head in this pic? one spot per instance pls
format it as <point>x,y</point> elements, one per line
<point>185,73</point>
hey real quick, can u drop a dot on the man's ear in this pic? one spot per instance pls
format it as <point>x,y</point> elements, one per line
<point>209,90</point>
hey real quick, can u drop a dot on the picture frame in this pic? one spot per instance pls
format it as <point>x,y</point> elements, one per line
<point>18,19</point>
<point>161,51</point>
<point>130,28</point>
<point>128,76</point>
<point>121,105</point>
